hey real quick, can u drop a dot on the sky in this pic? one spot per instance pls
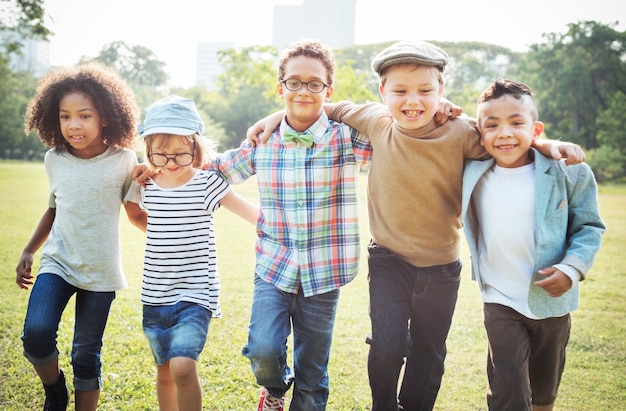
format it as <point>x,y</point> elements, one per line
<point>171,29</point>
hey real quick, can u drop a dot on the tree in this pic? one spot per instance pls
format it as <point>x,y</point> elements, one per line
<point>19,20</point>
<point>14,92</point>
<point>204,101</point>
<point>349,85</point>
<point>137,65</point>
<point>471,67</point>
<point>608,161</point>
<point>25,18</point>
<point>575,77</point>
<point>359,57</point>
<point>245,91</point>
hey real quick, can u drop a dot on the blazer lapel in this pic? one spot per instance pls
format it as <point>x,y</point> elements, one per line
<point>544,184</point>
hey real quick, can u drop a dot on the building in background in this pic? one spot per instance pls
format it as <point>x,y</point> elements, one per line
<point>207,64</point>
<point>330,21</point>
<point>34,58</point>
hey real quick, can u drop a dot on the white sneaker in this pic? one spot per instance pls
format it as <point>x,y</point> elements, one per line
<point>269,403</point>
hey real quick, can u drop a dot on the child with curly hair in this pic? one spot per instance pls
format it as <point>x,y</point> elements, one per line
<point>87,116</point>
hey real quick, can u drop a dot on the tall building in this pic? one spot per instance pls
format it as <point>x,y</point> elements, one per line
<point>330,21</point>
<point>207,64</point>
<point>34,57</point>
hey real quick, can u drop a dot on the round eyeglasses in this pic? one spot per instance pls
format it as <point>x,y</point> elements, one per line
<point>314,86</point>
<point>180,159</point>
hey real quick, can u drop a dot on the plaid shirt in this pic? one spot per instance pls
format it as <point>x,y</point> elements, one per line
<point>308,228</point>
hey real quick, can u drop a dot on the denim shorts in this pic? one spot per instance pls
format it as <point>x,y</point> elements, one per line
<point>178,330</point>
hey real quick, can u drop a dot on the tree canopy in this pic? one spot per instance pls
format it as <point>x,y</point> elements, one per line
<point>578,77</point>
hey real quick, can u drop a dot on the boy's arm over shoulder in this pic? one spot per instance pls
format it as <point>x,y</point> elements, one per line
<point>261,131</point>
<point>235,165</point>
<point>572,153</point>
<point>465,128</point>
<point>362,117</point>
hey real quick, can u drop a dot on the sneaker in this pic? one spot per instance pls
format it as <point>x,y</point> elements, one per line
<point>269,403</point>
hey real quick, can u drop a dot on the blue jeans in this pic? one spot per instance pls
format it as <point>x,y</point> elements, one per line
<point>274,313</point>
<point>419,301</point>
<point>177,330</point>
<point>46,304</point>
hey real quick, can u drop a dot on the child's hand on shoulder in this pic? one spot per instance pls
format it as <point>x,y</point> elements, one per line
<point>556,282</point>
<point>142,173</point>
<point>446,110</point>
<point>261,131</point>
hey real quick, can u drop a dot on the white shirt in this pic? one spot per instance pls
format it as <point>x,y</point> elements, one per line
<point>180,263</point>
<point>505,204</point>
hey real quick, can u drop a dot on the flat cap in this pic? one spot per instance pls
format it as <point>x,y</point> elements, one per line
<point>410,51</point>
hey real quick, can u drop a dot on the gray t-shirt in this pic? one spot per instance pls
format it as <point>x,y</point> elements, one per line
<point>83,246</point>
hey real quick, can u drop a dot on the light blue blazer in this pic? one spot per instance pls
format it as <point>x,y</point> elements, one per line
<point>568,230</point>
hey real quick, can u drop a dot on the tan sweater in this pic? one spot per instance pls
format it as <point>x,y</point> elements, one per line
<point>414,183</point>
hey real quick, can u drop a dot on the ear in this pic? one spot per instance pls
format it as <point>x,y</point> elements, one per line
<point>480,133</point>
<point>381,91</point>
<point>279,87</point>
<point>538,130</point>
<point>329,93</point>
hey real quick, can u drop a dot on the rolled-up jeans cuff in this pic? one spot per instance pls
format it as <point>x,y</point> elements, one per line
<point>42,361</point>
<point>87,385</point>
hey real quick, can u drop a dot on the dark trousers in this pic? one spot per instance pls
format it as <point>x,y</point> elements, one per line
<point>415,300</point>
<point>526,358</point>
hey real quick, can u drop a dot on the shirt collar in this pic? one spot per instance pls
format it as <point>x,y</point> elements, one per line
<point>317,129</point>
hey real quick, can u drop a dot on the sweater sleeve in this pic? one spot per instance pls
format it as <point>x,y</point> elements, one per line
<point>365,118</point>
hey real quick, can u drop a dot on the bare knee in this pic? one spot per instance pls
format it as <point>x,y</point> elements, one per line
<point>183,370</point>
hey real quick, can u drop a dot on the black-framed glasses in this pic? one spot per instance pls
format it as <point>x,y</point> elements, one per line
<point>314,86</point>
<point>180,159</point>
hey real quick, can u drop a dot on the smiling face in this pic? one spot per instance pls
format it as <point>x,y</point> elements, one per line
<point>171,151</point>
<point>81,125</point>
<point>412,94</point>
<point>508,127</point>
<point>303,106</point>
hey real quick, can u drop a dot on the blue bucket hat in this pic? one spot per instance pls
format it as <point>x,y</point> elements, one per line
<point>172,115</point>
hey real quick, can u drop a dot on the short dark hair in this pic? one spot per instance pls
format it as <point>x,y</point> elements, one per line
<point>503,87</point>
<point>515,89</point>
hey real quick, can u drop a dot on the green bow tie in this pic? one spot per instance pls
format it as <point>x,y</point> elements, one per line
<point>302,138</point>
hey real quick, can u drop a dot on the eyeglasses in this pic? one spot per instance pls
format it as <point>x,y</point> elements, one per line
<point>314,86</point>
<point>180,159</point>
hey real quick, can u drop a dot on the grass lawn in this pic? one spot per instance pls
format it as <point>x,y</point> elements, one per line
<point>594,378</point>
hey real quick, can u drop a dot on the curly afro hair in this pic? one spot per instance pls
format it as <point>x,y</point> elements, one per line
<point>110,95</point>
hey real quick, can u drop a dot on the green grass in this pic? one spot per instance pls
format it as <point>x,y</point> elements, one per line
<point>594,378</point>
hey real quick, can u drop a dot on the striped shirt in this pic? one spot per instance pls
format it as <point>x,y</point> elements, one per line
<point>308,228</point>
<point>180,262</point>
